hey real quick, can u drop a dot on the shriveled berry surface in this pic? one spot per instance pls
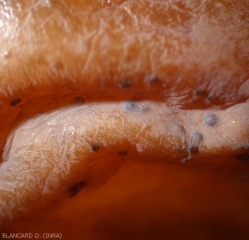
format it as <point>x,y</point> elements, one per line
<point>125,119</point>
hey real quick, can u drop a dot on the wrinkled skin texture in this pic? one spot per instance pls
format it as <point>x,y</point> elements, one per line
<point>125,119</point>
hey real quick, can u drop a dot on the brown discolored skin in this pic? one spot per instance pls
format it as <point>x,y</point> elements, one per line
<point>189,58</point>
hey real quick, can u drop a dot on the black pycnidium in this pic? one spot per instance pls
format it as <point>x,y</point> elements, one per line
<point>243,157</point>
<point>210,120</point>
<point>199,92</point>
<point>193,149</point>
<point>122,153</point>
<point>15,102</point>
<point>76,188</point>
<point>131,105</point>
<point>94,147</point>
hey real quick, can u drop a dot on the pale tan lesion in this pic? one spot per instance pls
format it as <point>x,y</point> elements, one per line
<point>48,154</point>
<point>94,52</point>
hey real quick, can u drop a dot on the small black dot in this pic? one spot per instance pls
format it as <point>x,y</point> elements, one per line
<point>243,157</point>
<point>15,102</point>
<point>76,188</point>
<point>131,105</point>
<point>125,83</point>
<point>199,92</point>
<point>193,149</point>
<point>210,120</point>
<point>79,100</point>
<point>95,147</point>
<point>122,153</point>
